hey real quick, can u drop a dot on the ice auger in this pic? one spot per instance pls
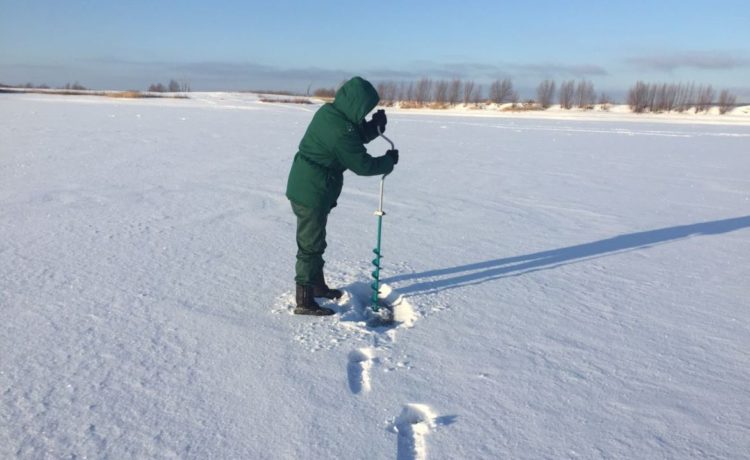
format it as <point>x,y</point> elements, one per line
<point>383,314</point>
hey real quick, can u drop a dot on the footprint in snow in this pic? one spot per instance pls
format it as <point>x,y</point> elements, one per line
<point>358,370</point>
<point>412,426</point>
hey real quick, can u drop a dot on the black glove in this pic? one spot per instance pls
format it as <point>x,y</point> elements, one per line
<point>380,119</point>
<point>393,154</point>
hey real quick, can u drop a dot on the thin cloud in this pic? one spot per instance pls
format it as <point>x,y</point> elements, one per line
<point>392,74</point>
<point>551,70</point>
<point>483,71</point>
<point>702,61</point>
<point>250,69</point>
<point>225,74</point>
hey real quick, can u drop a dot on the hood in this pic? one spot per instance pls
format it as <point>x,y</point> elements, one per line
<point>355,99</point>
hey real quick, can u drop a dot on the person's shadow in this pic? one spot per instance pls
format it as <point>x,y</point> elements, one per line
<point>481,272</point>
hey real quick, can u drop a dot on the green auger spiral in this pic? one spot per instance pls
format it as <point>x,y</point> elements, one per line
<point>376,262</point>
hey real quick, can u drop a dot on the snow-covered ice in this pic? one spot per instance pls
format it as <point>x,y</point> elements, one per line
<point>565,288</point>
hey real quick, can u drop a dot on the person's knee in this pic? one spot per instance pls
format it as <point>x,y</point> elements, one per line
<point>309,254</point>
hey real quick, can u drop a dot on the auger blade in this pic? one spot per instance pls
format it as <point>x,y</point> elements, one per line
<point>382,317</point>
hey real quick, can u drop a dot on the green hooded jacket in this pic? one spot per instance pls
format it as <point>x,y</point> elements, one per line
<point>334,142</point>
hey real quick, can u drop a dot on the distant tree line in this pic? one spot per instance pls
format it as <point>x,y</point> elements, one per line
<point>75,87</point>
<point>426,92</point>
<point>642,97</point>
<point>326,93</point>
<point>173,87</point>
<point>447,93</point>
<point>69,86</point>
<point>667,97</point>
<point>441,93</point>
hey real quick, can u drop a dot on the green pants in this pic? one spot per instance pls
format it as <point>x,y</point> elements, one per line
<point>311,243</point>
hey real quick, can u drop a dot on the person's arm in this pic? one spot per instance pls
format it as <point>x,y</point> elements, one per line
<point>352,154</point>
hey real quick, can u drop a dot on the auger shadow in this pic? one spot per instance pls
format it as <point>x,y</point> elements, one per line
<point>481,272</point>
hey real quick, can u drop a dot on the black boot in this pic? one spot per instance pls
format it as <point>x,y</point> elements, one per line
<point>306,304</point>
<point>321,289</point>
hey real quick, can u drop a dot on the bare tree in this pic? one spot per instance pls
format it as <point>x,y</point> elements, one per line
<point>387,92</point>
<point>469,89</point>
<point>409,92</point>
<point>566,94</point>
<point>401,92</point>
<point>454,91</point>
<point>380,88</point>
<point>74,86</point>
<point>605,102</point>
<point>638,97</point>
<point>585,94</point>
<point>440,96</point>
<point>666,97</point>
<point>726,101</point>
<point>705,98</point>
<point>545,93</point>
<point>501,91</point>
<point>651,97</point>
<point>670,97</point>
<point>423,91</point>
<point>660,98</point>
<point>687,97</point>
<point>392,92</point>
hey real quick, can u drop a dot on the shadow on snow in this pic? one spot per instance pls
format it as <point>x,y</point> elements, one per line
<point>481,272</point>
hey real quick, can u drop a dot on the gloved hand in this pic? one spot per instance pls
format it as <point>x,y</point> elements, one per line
<point>393,154</point>
<point>380,119</point>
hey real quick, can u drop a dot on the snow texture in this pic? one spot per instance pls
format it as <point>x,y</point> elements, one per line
<point>563,288</point>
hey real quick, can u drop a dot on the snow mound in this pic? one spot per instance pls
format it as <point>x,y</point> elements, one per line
<point>350,324</point>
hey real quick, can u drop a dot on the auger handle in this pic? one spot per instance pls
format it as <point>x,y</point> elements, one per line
<point>380,133</point>
<point>380,211</point>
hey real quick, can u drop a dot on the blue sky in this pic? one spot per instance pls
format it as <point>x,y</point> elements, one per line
<point>223,44</point>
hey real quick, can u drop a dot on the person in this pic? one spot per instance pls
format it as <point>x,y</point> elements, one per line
<point>333,143</point>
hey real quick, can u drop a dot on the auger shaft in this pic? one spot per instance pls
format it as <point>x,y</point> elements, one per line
<point>378,255</point>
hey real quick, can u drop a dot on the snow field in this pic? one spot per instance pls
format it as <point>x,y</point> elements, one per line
<point>565,288</point>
